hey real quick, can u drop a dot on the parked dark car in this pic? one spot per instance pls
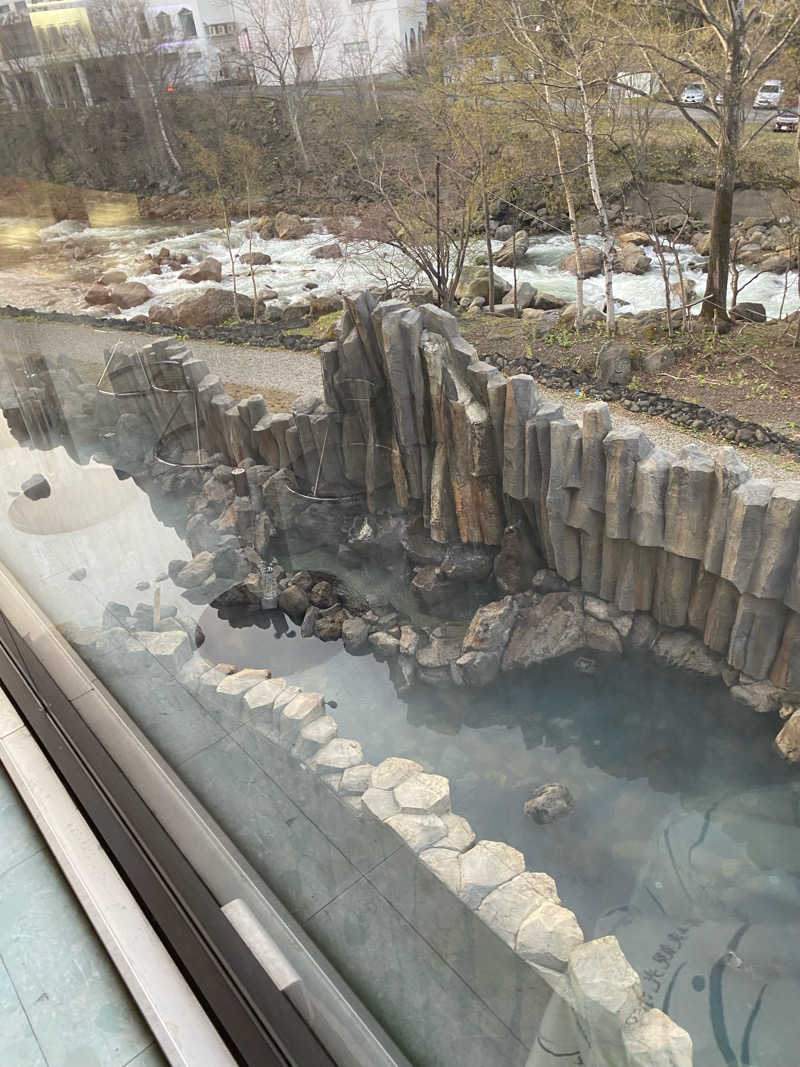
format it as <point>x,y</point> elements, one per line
<point>786,121</point>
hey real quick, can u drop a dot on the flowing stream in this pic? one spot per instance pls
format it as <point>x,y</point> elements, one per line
<point>294,270</point>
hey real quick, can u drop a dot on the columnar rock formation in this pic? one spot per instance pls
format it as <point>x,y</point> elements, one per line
<point>410,420</point>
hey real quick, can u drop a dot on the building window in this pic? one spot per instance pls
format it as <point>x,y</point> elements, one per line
<point>304,63</point>
<point>163,24</point>
<point>221,29</point>
<point>186,19</point>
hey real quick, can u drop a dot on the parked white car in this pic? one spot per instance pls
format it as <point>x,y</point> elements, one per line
<point>694,94</point>
<point>769,95</point>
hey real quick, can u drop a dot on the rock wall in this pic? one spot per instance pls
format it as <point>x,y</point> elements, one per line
<point>411,420</point>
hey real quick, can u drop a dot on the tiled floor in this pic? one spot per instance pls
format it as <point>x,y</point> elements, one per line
<point>62,1003</point>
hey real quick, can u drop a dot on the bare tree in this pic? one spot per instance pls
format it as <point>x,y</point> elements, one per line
<point>426,211</point>
<point>151,63</point>
<point>728,47</point>
<point>291,42</point>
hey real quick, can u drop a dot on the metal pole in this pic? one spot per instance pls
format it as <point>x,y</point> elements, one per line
<point>438,233</point>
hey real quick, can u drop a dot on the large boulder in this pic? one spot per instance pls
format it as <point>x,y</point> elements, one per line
<point>255,259</point>
<point>291,227</point>
<point>515,246</point>
<point>36,487</point>
<point>294,602</point>
<point>129,294</point>
<point>475,282</point>
<point>613,364</point>
<point>112,277</point>
<point>548,302</point>
<point>748,311</point>
<point>210,307</point>
<point>207,270</point>
<point>552,626</point>
<point>332,250</point>
<point>525,295</point>
<point>632,260</point>
<point>634,237</point>
<point>97,295</point>
<point>591,262</point>
<point>702,243</point>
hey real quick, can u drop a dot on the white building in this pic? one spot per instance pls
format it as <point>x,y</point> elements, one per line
<point>213,41</point>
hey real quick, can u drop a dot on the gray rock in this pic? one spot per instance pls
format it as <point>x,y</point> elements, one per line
<point>423,794</point>
<point>467,563</point>
<point>654,1040</point>
<point>550,803</point>
<point>36,487</point>
<point>490,627</point>
<point>196,572</point>
<point>355,633</point>
<point>624,450</point>
<point>550,628</point>
<point>746,514</point>
<point>484,867</point>
<point>525,295</point>
<point>787,743</point>
<point>759,696</point>
<point>729,473</point>
<point>79,574</point>
<point>591,262</point>
<point>748,311</point>
<point>476,668</point>
<point>779,539</point>
<point>647,504</point>
<point>516,562</point>
<point>385,645</point>
<point>685,650</point>
<point>172,649</point>
<point>613,364</point>
<point>293,601</point>
<point>513,250</point>
<point>548,936</point>
<point>506,908</point>
<point>418,831</point>
<point>309,622</point>
<point>687,503</point>
<point>392,771</point>
<point>607,993</point>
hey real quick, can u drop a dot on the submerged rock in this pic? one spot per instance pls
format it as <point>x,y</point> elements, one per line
<point>550,803</point>
<point>36,487</point>
<point>293,601</point>
<point>355,633</point>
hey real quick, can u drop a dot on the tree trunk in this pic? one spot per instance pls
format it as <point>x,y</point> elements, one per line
<point>294,126</point>
<point>715,299</point>
<point>162,129</point>
<point>599,203</point>
<point>571,212</point>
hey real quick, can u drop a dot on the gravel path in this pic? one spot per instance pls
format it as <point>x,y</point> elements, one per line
<point>289,374</point>
<point>264,369</point>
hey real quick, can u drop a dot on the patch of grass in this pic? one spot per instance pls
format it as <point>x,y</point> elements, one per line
<point>320,329</point>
